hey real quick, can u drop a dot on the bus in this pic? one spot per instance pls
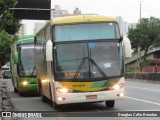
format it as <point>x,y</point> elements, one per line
<point>23,71</point>
<point>80,59</point>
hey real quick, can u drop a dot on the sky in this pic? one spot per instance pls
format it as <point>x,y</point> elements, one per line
<point>128,9</point>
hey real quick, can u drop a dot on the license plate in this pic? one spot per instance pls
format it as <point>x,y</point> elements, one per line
<point>91,97</point>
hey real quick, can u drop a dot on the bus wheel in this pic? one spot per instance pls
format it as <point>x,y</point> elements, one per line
<point>110,103</point>
<point>43,98</point>
<point>55,106</point>
<point>15,90</point>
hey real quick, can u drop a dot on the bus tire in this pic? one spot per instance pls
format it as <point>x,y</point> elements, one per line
<point>15,90</point>
<point>55,106</point>
<point>50,92</point>
<point>110,103</point>
<point>21,93</point>
<point>43,98</point>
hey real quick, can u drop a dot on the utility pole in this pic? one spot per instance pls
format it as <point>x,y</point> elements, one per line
<point>140,12</point>
<point>139,51</point>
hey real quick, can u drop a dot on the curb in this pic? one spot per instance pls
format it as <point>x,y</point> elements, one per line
<point>5,101</point>
<point>0,97</point>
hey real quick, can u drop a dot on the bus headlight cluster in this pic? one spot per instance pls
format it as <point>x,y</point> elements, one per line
<point>63,90</point>
<point>117,86</point>
<point>24,83</point>
<point>45,80</point>
<point>121,94</point>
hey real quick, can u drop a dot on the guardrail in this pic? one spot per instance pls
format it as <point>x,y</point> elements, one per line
<point>148,69</point>
<point>143,76</point>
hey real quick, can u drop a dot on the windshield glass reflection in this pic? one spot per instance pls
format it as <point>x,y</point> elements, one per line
<point>90,31</point>
<point>27,60</point>
<point>87,60</point>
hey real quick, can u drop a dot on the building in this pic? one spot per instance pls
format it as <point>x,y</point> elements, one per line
<point>23,30</point>
<point>57,12</point>
<point>37,27</point>
<point>120,22</point>
<point>153,56</point>
<point>123,25</point>
<point>77,11</point>
<point>125,28</point>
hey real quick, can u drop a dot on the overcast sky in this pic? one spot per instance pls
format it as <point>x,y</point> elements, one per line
<point>128,9</point>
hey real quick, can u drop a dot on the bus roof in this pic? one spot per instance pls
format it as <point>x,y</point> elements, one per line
<point>81,18</point>
<point>27,36</point>
<point>28,39</point>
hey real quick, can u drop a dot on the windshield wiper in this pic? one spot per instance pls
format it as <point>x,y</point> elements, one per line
<point>33,71</point>
<point>99,69</point>
<point>94,63</point>
<point>80,66</point>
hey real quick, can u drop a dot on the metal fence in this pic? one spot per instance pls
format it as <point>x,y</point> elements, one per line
<point>150,69</point>
<point>143,76</point>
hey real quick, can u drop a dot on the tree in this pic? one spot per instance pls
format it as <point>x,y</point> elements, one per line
<point>9,26</point>
<point>145,35</point>
<point>7,21</point>
<point>5,42</point>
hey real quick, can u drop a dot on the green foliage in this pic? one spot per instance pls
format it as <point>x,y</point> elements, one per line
<point>144,63</point>
<point>5,42</point>
<point>133,70</point>
<point>134,36</point>
<point>145,34</point>
<point>7,21</point>
<point>11,25</point>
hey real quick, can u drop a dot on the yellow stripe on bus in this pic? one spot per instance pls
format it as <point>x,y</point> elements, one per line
<point>81,18</point>
<point>80,86</point>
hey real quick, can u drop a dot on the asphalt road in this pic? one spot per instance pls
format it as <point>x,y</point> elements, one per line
<point>140,97</point>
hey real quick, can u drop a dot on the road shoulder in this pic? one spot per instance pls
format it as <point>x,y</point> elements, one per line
<point>5,101</point>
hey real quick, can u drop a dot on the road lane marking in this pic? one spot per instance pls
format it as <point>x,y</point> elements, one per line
<point>146,101</point>
<point>144,88</point>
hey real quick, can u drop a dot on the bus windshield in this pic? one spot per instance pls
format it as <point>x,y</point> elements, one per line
<point>88,60</point>
<point>26,60</point>
<point>90,31</point>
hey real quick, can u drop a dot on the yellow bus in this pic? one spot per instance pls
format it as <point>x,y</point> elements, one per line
<point>80,59</point>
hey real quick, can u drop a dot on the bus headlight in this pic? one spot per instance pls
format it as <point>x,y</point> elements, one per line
<point>63,90</point>
<point>24,83</point>
<point>117,86</point>
<point>44,80</point>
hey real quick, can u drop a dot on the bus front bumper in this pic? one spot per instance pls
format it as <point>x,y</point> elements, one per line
<point>29,88</point>
<point>66,98</point>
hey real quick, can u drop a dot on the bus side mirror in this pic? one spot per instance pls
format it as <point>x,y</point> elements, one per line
<point>127,47</point>
<point>49,48</point>
<point>15,57</point>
